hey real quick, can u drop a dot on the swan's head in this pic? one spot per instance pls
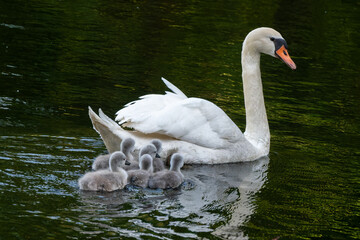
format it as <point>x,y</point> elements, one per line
<point>268,41</point>
<point>145,162</point>
<point>117,159</point>
<point>149,149</point>
<point>176,162</point>
<point>127,145</point>
<point>157,143</point>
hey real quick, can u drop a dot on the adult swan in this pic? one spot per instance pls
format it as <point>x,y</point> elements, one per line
<point>195,127</point>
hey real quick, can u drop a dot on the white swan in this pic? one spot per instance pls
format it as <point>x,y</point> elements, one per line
<point>108,180</point>
<point>195,127</point>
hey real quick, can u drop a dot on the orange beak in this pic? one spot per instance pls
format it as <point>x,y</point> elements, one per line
<point>283,54</point>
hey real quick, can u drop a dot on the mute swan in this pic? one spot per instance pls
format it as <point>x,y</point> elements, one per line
<point>197,128</point>
<point>108,180</point>
<point>171,178</point>
<point>141,176</point>
<point>158,163</point>
<point>126,146</point>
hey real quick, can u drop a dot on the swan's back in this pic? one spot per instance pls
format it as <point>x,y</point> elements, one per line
<point>103,180</point>
<point>198,121</point>
<point>165,179</point>
<point>101,162</point>
<point>172,178</point>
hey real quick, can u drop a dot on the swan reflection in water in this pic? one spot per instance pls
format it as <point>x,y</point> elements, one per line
<point>214,198</point>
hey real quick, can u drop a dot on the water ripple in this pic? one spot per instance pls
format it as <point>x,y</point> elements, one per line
<point>12,26</point>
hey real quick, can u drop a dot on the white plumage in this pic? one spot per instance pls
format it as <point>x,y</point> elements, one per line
<point>193,120</point>
<point>197,128</point>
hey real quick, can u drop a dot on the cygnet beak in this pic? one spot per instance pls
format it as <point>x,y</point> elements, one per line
<point>157,156</point>
<point>127,162</point>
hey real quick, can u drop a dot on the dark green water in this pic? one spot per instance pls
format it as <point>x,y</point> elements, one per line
<point>58,57</point>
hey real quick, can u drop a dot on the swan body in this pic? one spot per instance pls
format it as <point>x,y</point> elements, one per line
<point>141,176</point>
<point>171,178</point>
<point>101,162</point>
<point>195,127</point>
<point>126,146</point>
<point>108,180</point>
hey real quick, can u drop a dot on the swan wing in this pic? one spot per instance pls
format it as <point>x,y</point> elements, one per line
<point>193,120</point>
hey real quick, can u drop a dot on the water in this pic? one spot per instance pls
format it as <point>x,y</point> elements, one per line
<point>57,58</point>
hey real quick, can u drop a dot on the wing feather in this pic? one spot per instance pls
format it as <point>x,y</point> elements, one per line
<point>194,120</point>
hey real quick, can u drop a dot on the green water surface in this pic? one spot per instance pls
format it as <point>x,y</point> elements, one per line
<point>59,57</point>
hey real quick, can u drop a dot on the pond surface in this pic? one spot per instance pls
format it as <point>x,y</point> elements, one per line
<point>59,57</point>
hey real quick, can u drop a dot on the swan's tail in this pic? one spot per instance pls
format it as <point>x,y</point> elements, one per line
<point>108,130</point>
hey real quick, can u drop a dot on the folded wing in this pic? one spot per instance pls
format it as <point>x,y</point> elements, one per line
<point>193,120</point>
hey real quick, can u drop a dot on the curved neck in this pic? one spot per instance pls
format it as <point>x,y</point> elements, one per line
<point>113,165</point>
<point>257,127</point>
<point>129,156</point>
<point>174,167</point>
<point>127,151</point>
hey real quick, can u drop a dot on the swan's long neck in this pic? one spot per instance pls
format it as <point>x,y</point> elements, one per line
<point>113,165</point>
<point>257,127</point>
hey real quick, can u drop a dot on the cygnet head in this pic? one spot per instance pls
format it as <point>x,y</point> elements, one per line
<point>145,162</point>
<point>127,145</point>
<point>268,41</point>
<point>148,149</point>
<point>117,159</point>
<point>176,162</point>
<point>158,144</point>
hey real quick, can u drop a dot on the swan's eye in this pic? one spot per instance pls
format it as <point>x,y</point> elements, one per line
<point>272,38</point>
